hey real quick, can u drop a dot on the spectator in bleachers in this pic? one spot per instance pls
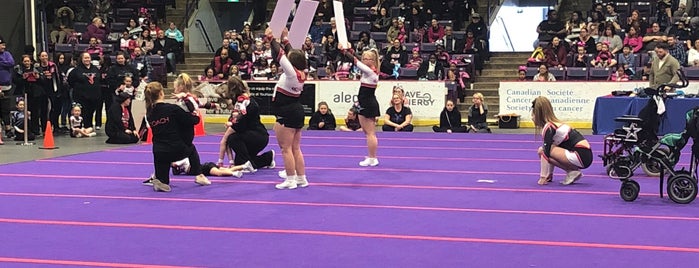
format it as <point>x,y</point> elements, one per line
<point>664,13</point>
<point>417,19</point>
<point>94,49</point>
<point>593,29</point>
<point>627,60</point>
<point>63,25</point>
<point>222,64</point>
<point>144,17</point>
<point>415,59</point>
<point>364,43</point>
<point>330,48</point>
<point>393,31</point>
<point>521,74</point>
<point>234,71</point>
<point>677,50</point>
<point>473,45</point>
<point>635,20</point>
<point>432,69</point>
<point>330,31</point>
<point>435,31</point>
<point>235,41</point>
<point>398,117</point>
<point>634,40</point>
<point>580,59</point>
<point>451,43</point>
<point>544,75</point>
<point>693,54</point>
<point>208,75</point>
<point>574,25</point>
<point>619,75</point>
<point>325,11</point>
<point>442,56</point>
<point>140,63</point>
<point>612,17</point>
<point>343,67</point>
<point>550,27</point>
<point>97,30</point>
<point>681,32</point>
<point>394,57</point>
<point>166,47</point>
<point>595,16</point>
<point>556,53</point>
<point>655,37</point>
<point>605,58</point>
<point>126,43</point>
<point>225,44</point>
<point>382,21</point>
<point>402,33</point>
<point>245,66</point>
<point>643,74</point>
<point>259,50</point>
<point>245,47</point>
<point>274,71</point>
<point>455,75</point>
<point>145,42</point>
<point>260,68</point>
<point>610,36</point>
<point>317,30</point>
<point>174,33</point>
<point>246,35</point>
<point>153,27</point>
<point>586,41</point>
<point>134,28</point>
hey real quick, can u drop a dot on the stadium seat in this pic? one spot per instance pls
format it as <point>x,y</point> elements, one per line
<point>460,35</point>
<point>600,73</point>
<point>408,73</point>
<point>409,47</point>
<point>362,11</point>
<point>64,48</point>
<point>427,47</point>
<point>107,48</point>
<point>117,27</point>
<point>379,36</point>
<point>531,72</point>
<point>559,73</point>
<point>361,26</point>
<point>644,8</point>
<point>692,73</point>
<point>80,27</point>
<point>80,48</point>
<point>445,23</point>
<point>576,73</point>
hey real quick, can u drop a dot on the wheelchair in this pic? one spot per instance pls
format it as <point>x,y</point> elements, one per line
<point>681,184</point>
<point>620,156</point>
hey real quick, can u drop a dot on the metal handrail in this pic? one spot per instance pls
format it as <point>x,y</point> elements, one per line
<point>507,33</point>
<point>199,24</point>
<point>190,7</point>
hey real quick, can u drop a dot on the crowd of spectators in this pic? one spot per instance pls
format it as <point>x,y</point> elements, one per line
<point>615,37</point>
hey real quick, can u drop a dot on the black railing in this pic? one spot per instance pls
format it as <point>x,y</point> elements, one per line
<point>508,39</point>
<point>199,24</point>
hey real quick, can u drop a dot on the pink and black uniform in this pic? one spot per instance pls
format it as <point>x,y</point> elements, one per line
<point>567,138</point>
<point>367,104</point>
<point>285,100</point>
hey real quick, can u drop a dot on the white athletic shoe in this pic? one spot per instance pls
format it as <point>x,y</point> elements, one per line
<point>289,183</point>
<point>248,168</point>
<point>571,177</point>
<point>202,180</point>
<point>282,174</point>
<point>301,181</point>
<point>369,162</point>
<point>237,174</point>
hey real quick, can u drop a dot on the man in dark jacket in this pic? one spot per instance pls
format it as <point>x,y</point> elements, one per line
<point>166,47</point>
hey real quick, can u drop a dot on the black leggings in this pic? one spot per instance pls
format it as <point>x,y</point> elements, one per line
<point>88,110</point>
<point>163,160</point>
<point>246,147</point>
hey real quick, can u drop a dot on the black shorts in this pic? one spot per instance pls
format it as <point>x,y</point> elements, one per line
<point>585,155</point>
<point>288,111</point>
<point>206,168</point>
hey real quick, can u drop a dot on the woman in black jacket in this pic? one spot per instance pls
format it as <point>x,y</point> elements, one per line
<point>247,135</point>
<point>120,126</point>
<point>26,79</point>
<point>449,120</point>
<point>323,119</point>
<point>173,130</point>
<point>86,81</point>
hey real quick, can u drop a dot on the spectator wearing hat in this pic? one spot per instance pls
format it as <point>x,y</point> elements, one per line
<point>63,25</point>
<point>480,34</point>
<point>120,126</point>
<point>7,63</point>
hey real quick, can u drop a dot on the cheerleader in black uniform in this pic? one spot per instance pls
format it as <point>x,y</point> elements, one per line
<point>289,112</point>
<point>367,105</point>
<point>563,147</point>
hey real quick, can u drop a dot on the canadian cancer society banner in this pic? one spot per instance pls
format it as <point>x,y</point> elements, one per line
<point>572,101</point>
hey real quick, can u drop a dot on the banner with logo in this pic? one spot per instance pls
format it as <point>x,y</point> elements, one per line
<point>572,101</point>
<point>425,99</point>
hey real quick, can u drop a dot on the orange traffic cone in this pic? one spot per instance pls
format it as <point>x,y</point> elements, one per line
<point>149,136</point>
<point>199,128</point>
<point>48,138</point>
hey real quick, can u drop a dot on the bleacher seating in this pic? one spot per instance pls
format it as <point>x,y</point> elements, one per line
<point>379,36</point>
<point>361,26</point>
<point>599,73</point>
<point>408,73</point>
<point>576,73</point>
<point>692,73</point>
<point>559,73</point>
<point>64,48</point>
